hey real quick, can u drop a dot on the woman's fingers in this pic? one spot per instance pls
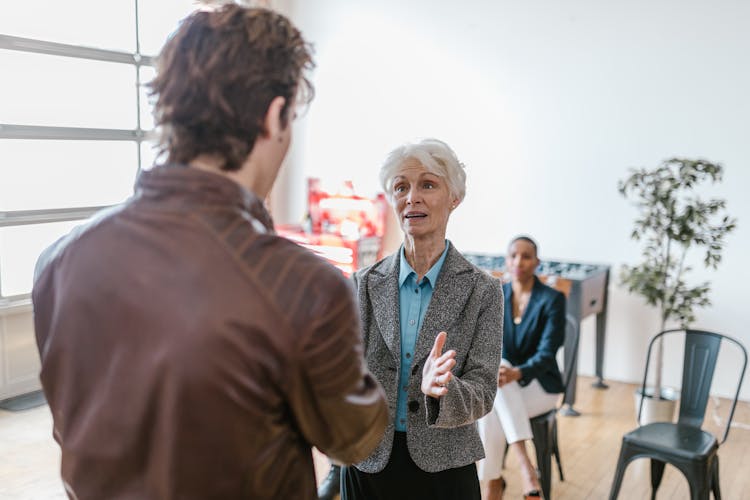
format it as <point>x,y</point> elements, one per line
<point>435,382</point>
<point>437,368</point>
<point>439,391</point>
<point>445,366</point>
<point>447,355</point>
<point>434,386</point>
<point>437,347</point>
<point>444,378</point>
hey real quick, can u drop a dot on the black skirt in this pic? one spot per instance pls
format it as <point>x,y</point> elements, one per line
<point>403,479</point>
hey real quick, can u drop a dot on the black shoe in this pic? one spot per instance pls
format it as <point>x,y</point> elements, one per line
<point>329,490</point>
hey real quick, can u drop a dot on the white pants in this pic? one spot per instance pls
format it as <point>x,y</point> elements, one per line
<point>509,421</point>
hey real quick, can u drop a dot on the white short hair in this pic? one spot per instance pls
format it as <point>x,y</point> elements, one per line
<point>435,156</point>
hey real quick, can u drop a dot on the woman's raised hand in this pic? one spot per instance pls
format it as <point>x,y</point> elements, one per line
<point>437,368</point>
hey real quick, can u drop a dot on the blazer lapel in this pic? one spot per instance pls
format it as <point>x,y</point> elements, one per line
<point>452,290</point>
<point>383,292</point>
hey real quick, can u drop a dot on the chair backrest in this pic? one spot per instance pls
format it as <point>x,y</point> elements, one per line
<point>572,334</point>
<point>698,366</point>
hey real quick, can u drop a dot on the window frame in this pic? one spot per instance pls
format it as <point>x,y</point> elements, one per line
<point>36,132</point>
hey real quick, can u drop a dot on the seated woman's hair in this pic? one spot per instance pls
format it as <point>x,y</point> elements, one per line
<point>527,239</point>
<point>435,155</point>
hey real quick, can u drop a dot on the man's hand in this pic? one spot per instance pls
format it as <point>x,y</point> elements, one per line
<point>437,369</point>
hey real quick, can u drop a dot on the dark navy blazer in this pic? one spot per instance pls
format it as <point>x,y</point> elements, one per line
<point>533,344</point>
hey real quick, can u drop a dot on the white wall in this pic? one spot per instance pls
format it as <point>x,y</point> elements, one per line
<point>19,358</point>
<point>547,103</point>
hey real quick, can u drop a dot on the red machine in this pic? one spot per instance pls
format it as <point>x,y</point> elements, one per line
<point>344,228</point>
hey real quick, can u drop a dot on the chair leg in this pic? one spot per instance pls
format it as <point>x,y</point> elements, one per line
<point>556,450</point>
<point>715,486</point>
<point>699,476</point>
<point>544,462</point>
<point>622,463</point>
<point>699,492</point>
<point>542,435</point>
<point>657,472</point>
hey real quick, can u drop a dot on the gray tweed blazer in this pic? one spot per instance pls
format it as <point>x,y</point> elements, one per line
<point>467,303</point>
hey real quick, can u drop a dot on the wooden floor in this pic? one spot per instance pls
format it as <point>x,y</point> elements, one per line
<point>29,458</point>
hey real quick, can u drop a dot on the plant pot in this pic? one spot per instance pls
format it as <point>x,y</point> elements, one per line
<point>655,409</point>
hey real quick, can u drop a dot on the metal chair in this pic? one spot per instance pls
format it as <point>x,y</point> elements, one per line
<point>683,444</point>
<point>544,426</point>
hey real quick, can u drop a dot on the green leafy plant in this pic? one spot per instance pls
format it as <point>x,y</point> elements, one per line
<point>672,220</point>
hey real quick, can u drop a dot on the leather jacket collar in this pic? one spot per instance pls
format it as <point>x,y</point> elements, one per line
<point>180,184</point>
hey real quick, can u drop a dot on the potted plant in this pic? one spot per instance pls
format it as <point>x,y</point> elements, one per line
<point>672,220</point>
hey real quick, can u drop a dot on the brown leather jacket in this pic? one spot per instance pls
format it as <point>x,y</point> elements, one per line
<point>188,352</point>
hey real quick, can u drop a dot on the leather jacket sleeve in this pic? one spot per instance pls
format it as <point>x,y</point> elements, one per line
<point>341,408</point>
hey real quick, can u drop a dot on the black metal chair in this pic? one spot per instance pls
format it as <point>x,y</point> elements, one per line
<point>683,444</point>
<point>544,426</point>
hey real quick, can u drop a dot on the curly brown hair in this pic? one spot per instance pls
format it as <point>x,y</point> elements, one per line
<point>216,77</point>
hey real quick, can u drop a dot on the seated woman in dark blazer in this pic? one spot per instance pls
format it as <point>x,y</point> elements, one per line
<point>529,380</point>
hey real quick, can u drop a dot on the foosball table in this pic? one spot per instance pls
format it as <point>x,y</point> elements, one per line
<point>585,288</point>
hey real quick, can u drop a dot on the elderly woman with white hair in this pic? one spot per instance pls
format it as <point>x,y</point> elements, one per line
<point>432,325</point>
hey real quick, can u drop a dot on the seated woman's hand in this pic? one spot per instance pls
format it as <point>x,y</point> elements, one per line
<point>437,369</point>
<point>507,375</point>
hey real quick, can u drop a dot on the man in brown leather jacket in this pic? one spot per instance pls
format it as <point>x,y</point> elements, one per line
<point>188,352</point>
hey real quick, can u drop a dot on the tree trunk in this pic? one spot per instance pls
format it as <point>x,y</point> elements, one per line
<point>659,361</point>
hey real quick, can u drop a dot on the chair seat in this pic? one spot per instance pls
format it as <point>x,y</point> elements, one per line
<point>678,440</point>
<point>546,416</point>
